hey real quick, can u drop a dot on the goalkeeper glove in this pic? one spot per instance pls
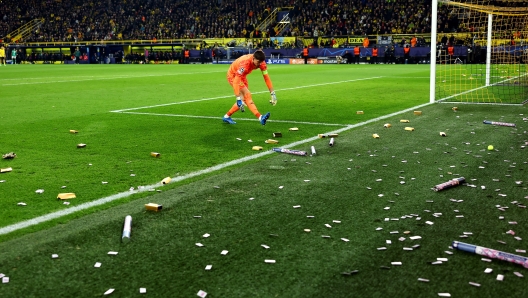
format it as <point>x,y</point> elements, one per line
<point>240,104</point>
<point>273,99</point>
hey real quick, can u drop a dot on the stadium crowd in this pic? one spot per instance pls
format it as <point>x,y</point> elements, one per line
<point>78,20</point>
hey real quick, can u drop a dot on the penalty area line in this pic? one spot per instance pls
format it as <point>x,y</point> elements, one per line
<point>228,96</point>
<point>54,215</point>
<point>238,119</point>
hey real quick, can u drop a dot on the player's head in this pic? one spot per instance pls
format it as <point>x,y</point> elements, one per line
<point>258,57</point>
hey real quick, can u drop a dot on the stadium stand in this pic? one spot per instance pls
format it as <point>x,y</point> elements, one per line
<point>118,22</point>
<point>77,20</point>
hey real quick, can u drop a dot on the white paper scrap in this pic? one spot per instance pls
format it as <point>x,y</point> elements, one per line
<point>199,244</point>
<point>201,294</point>
<point>97,265</point>
<point>142,290</point>
<point>444,294</point>
<point>54,256</point>
<point>265,246</point>
<point>488,270</point>
<point>500,277</point>
<point>114,253</point>
<point>208,267</point>
<point>206,235</point>
<point>396,263</point>
<point>269,261</point>
<point>224,252</point>
<point>5,280</point>
<point>109,291</point>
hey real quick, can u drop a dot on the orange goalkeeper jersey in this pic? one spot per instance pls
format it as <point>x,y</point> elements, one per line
<point>243,66</point>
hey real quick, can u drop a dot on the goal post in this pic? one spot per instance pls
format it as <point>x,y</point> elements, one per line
<point>479,51</point>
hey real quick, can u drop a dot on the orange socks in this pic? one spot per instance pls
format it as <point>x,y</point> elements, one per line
<point>251,105</point>
<point>248,100</point>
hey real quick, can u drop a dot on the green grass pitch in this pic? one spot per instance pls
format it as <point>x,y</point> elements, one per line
<point>254,204</point>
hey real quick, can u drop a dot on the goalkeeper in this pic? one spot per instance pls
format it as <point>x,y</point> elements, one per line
<point>236,76</point>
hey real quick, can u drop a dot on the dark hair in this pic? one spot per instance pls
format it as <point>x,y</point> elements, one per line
<point>259,55</point>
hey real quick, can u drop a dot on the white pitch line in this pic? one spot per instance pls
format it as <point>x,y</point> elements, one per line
<point>57,214</point>
<point>396,77</point>
<point>227,96</point>
<point>238,119</point>
<point>107,78</point>
<point>478,88</point>
<point>173,103</point>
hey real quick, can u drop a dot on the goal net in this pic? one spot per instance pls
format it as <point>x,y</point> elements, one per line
<point>479,51</point>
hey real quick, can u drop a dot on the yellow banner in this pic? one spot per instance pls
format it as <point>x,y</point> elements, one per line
<point>494,42</point>
<point>212,41</point>
<point>355,40</point>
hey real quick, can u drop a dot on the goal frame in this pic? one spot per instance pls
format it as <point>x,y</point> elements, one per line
<point>434,52</point>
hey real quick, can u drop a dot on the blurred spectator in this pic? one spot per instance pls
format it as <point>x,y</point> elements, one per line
<point>81,20</point>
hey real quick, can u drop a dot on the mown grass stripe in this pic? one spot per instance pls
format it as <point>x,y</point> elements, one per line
<point>101,201</point>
